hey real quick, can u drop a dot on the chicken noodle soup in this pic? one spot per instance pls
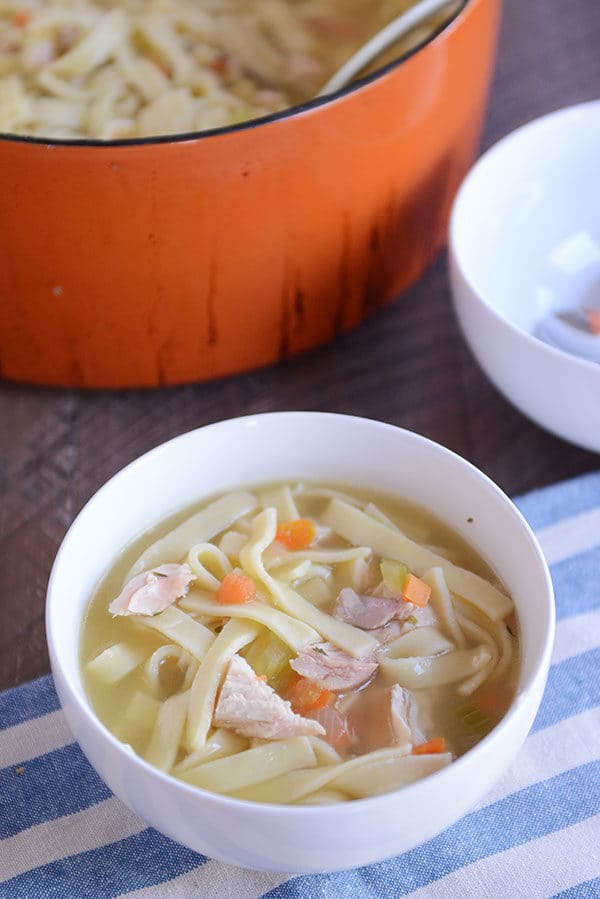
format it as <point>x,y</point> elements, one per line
<point>118,69</point>
<point>300,644</point>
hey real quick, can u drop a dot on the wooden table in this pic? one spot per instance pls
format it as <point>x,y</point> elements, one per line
<point>408,366</point>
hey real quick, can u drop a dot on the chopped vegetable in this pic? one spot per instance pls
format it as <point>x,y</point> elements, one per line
<point>474,719</point>
<point>21,18</point>
<point>593,318</point>
<point>416,591</point>
<point>296,534</point>
<point>269,657</point>
<point>163,66</point>
<point>394,574</point>
<point>236,588</point>
<point>307,696</point>
<point>432,747</point>
<point>219,65</point>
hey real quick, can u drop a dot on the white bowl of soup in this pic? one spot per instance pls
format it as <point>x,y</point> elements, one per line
<point>300,641</point>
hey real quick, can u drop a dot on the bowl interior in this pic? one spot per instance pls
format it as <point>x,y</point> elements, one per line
<point>297,446</point>
<point>526,225</point>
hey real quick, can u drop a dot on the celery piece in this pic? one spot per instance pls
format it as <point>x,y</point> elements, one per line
<point>394,574</point>
<point>269,656</point>
<point>254,651</point>
<point>474,720</point>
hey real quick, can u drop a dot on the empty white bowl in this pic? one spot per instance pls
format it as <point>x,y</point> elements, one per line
<point>299,446</point>
<point>524,242</point>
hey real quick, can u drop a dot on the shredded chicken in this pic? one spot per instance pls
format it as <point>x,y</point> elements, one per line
<point>38,54</point>
<point>368,612</point>
<point>153,591</point>
<point>404,713</point>
<point>331,668</point>
<point>252,708</point>
<point>338,732</point>
<point>67,35</point>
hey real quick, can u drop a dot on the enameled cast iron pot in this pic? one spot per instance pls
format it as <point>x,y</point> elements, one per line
<point>167,260</point>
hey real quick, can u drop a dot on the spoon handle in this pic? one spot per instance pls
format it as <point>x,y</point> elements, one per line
<point>380,41</point>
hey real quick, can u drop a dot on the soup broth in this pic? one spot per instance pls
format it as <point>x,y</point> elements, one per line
<point>120,69</point>
<point>300,644</point>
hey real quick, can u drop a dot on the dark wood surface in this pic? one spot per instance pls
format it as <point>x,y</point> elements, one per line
<point>408,366</point>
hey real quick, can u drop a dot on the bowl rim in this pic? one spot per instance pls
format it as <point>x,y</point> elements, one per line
<point>287,113</point>
<point>535,344</point>
<point>78,696</point>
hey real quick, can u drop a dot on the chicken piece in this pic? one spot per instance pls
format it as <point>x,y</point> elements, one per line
<point>422,615</point>
<point>153,591</point>
<point>302,68</point>
<point>404,715</point>
<point>419,616</point>
<point>39,54</point>
<point>338,731</point>
<point>252,708</point>
<point>368,612</point>
<point>331,668</point>
<point>67,35</point>
<point>382,591</point>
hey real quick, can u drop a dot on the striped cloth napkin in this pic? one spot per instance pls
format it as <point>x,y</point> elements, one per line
<point>62,833</point>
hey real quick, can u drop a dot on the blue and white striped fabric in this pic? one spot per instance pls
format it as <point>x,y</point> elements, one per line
<point>62,833</point>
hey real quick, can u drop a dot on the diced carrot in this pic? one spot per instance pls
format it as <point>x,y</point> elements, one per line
<point>262,677</point>
<point>593,317</point>
<point>432,747</point>
<point>164,67</point>
<point>236,588</point>
<point>493,702</point>
<point>416,591</point>
<point>21,18</point>
<point>219,65</point>
<point>306,696</point>
<point>296,534</point>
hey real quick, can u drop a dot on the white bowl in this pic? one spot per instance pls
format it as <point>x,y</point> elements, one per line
<point>309,446</point>
<point>525,240</point>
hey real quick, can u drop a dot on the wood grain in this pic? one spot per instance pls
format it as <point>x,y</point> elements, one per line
<point>407,365</point>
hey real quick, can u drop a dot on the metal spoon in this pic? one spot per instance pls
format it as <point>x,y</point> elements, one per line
<point>392,32</point>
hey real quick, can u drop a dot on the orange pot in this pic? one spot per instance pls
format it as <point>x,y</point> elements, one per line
<point>171,260</point>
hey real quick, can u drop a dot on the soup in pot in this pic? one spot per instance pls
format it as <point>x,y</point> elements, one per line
<point>120,69</point>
